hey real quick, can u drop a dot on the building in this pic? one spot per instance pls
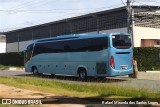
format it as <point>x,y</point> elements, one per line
<point>2,43</point>
<point>146,27</point>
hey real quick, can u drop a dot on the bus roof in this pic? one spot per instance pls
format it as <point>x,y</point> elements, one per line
<point>76,36</point>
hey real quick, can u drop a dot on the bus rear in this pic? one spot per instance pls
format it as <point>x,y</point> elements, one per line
<point>120,54</point>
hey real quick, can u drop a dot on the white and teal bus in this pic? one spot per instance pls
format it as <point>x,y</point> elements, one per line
<point>97,55</point>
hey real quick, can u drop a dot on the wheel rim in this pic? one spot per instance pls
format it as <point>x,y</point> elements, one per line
<point>35,71</point>
<point>82,74</point>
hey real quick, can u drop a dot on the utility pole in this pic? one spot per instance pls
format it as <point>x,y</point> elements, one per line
<point>130,16</point>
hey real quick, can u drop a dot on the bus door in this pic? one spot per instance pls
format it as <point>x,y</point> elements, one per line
<point>121,52</point>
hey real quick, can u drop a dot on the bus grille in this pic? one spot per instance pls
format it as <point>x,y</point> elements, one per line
<point>101,68</point>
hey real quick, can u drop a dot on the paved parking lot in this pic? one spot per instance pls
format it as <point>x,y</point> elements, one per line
<point>149,75</point>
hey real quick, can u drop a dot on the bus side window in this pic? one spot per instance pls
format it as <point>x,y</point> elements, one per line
<point>79,45</point>
<point>67,48</point>
<point>97,44</point>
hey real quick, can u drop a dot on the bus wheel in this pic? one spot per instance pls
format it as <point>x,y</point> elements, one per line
<point>82,74</point>
<point>52,75</point>
<point>35,71</point>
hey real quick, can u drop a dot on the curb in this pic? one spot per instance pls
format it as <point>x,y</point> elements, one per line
<point>152,71</point>
<point>17,69</point>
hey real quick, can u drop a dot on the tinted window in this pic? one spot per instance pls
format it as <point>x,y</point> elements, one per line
<point>97,44</point>
<point>28,52</point>
<point>53,47</point>
<point>30,48</point>
<point>121,41</point>
<point>79,45</point>
<point>49,47</point>
<point>38,48</point>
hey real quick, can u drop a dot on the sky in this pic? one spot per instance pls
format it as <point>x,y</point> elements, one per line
<point>17,14</point>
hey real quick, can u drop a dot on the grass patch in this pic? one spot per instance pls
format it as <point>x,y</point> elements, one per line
<point>77,90</point>
<point>3,66</point>
<point>7,67</point>
<point>0,100</point>
<point>8,105</point>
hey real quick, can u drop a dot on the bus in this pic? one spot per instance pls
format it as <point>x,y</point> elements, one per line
<point>82,55</point>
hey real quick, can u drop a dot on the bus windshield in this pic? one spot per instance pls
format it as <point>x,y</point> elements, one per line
<point>28,52</point>
<point>121,41</point>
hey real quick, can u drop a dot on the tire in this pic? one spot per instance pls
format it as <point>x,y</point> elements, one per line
<point>52,75</point>
<point>101,78</point>
<point>35,71</point>
<point>82,74</point>
<point>133,75</point>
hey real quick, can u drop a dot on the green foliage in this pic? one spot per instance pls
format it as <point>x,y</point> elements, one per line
<point>11,59</point>
<point>3,67</point>
<point>147,58</point>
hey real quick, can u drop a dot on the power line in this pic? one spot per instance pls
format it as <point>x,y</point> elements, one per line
<point>72,9</point>
<point>52,11</point>
<point>57,10</point>
<point>41,3</point>
<point>123,3</point>
<point>142,3</point>
<point>49,10</point>
<point>17,7</point>
<point>24,4</point>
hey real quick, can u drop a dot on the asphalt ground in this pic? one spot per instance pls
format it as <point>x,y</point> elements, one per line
<point>147,81</point>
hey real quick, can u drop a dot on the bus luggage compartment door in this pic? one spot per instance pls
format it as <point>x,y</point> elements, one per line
<point>101,68</point>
